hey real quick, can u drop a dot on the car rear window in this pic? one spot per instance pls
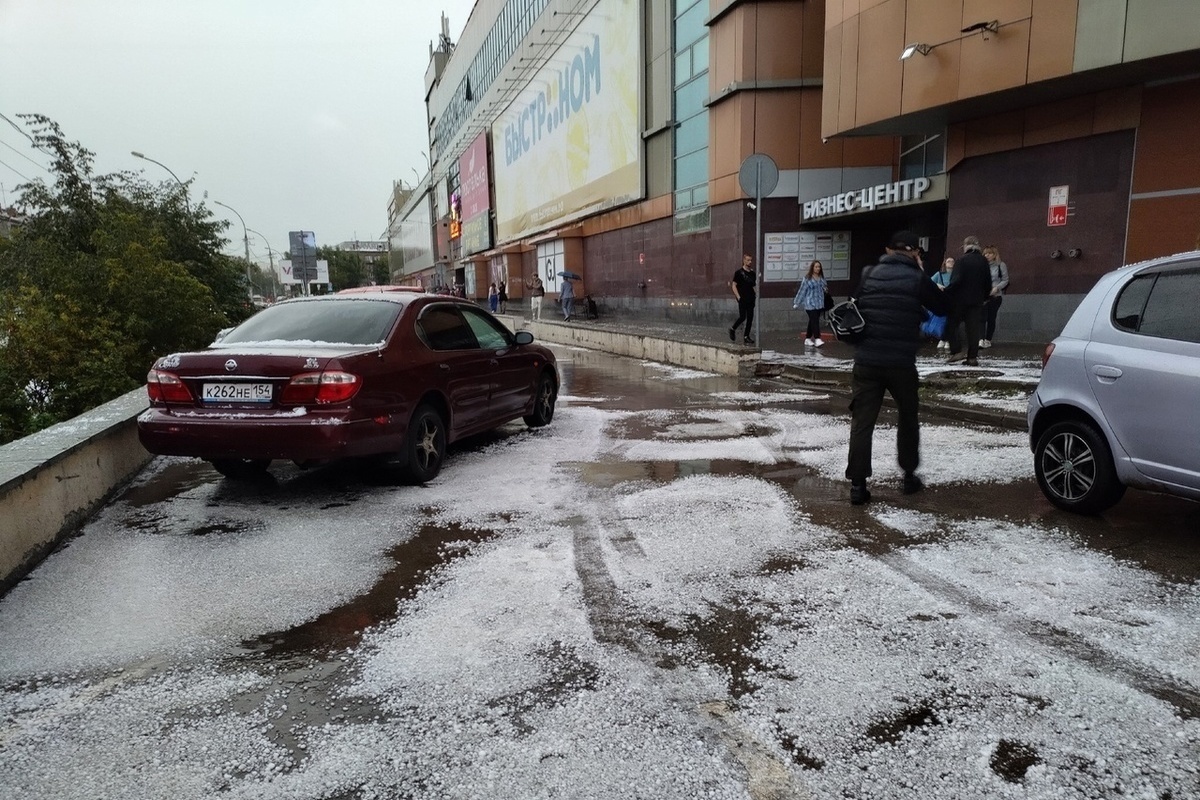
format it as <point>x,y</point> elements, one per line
<point>1161,304</point>
<point>353,321</point>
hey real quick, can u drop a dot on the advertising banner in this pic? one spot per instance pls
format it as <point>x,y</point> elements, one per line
<point>570,142</point>
<point>289,275</point>
<point>475,199</point>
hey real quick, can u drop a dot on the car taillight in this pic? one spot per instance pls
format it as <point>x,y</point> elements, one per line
<point>1046,354</point>
<point>319,388</point>
<point>164,387</point>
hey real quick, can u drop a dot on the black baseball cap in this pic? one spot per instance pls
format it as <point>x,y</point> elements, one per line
<point>905,240</point>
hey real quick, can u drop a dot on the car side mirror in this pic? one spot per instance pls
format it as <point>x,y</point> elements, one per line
<point>524,337</point>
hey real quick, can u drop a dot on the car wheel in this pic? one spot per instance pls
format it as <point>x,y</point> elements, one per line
<point>241,469</point>
<point>1075,468</point>
<point>543,403</point>
<point>425,447</point>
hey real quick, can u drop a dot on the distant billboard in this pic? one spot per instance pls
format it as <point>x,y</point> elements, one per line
<point>570,143</point>
<point>303,247</point>
<point>290,275</point>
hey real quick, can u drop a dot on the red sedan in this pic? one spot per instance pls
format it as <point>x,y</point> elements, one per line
<point>392,374</point>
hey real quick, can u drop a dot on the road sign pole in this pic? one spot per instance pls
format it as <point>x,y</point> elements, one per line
<point>758,177</point>
<point>759,274</point>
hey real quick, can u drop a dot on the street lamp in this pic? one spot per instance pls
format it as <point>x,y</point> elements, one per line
<point>246,242</point>
<point>182,185</point>
<point>270,258</point>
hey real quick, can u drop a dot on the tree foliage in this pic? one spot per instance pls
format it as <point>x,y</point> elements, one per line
<point>108,273</point>
<point>346,269</point>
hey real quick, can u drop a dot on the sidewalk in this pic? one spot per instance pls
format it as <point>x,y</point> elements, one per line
<point>995,392</point>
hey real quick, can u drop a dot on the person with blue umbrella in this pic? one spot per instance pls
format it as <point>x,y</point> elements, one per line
<point>566,294</point>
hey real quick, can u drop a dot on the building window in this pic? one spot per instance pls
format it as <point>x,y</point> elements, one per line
<point>691,117</point>
<point>922,156</point>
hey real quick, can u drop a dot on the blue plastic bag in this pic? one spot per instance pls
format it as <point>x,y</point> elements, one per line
<point>934,326</point>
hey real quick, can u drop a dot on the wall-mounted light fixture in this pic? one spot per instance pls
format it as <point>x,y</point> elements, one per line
<point>985,29</point>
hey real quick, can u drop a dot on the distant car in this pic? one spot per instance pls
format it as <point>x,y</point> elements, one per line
<point>391,375</point>
<point>1120,387</point>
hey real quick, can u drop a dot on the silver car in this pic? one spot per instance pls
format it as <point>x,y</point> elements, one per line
<point>1118,403</point>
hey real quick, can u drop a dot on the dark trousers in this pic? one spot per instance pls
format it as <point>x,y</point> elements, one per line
<point>868,385</point>
<point>814,323</point>
<point>745,314</point>
<point>993,309</point>
<point>971,317</point>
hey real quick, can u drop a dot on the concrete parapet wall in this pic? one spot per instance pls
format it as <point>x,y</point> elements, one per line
<point>52,481</point>
<point>706,356</point>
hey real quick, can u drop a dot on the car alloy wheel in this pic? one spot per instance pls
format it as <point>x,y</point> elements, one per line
<point>426,446</point>
<point>543,403</point>
<point>1075,468</point>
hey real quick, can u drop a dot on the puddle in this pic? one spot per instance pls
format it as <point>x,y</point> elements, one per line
<point>343,627</point>
<point>1011,760</point>
<point>172,481</point>
<point>725,639</point>
<point>306,665</point>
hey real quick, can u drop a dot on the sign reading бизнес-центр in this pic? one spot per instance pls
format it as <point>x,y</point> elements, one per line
<point>868,199</point>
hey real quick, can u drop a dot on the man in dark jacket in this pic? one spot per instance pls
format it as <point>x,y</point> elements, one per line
<point>968,291</point>
<point>890,297</point>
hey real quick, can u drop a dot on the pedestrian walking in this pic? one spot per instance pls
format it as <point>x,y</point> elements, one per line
<point>999,286</point>
<point>502,296</point>
<point>537,293</point>
<point>891,297</point>
<point>493,298</point>
<point>811,297</point>
<point>566,296</point>
<point>969,288</point>
<point>941,279</point>
<point>742,285</point>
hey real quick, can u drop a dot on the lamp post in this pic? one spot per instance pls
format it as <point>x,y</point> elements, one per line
<point>246,242</point>
<point>270,259</point>
<point>182,185</point>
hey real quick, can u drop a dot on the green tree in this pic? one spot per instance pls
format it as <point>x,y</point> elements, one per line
<point>346,269</point>
<point>109,273</point>
<point>381,273</point>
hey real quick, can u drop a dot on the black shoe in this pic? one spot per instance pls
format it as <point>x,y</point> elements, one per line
<point>912,483</point>
<point>956,357</point>
<point>972,362</point>
<point>748,340</point>
<point>859,494</point>
<point>733,334</point>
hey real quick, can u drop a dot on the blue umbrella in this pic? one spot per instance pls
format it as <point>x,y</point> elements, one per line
<point>575,276</point>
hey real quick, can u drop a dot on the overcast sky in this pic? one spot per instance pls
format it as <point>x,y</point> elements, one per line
<point>299,114</point>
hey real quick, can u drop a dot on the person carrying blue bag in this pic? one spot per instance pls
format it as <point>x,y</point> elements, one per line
<point>934,326</point>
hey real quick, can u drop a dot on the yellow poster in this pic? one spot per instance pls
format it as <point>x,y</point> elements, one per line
<point>570,143</point>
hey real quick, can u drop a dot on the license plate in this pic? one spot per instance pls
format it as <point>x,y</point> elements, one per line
<point>237,393</point>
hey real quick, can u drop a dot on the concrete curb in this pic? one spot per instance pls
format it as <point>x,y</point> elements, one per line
<point>722,359</point>
<point>52,481</point>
